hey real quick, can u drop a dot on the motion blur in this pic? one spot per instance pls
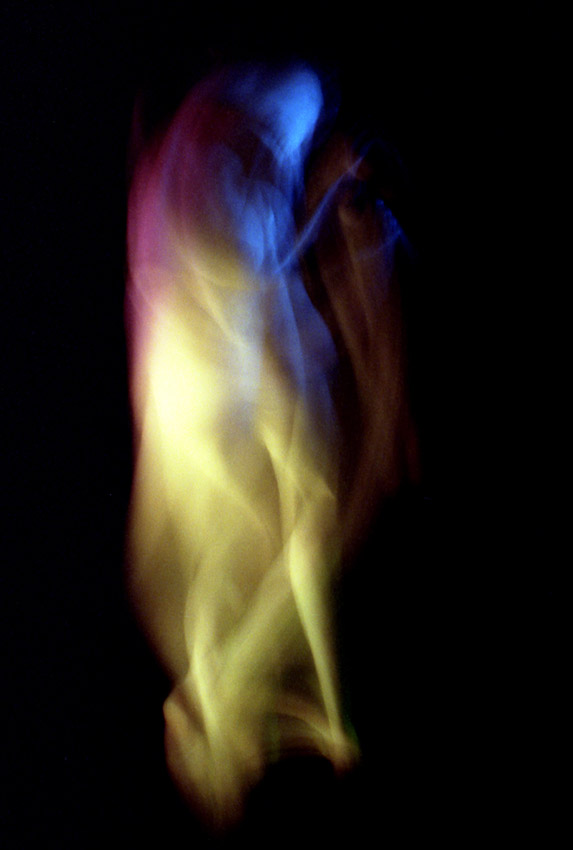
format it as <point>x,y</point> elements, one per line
<point>270,417</point>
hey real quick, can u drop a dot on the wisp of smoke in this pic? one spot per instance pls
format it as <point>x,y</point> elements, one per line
<point>241,507</point>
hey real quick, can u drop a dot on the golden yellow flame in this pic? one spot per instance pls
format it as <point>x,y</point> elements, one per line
<point>236,528</point>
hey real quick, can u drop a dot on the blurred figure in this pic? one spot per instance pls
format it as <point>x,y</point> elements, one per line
<point>250,480</point>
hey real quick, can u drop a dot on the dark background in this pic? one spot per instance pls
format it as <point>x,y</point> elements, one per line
<point>452,625</point>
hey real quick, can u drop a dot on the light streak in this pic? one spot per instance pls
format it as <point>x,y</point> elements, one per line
<point>240,512</point>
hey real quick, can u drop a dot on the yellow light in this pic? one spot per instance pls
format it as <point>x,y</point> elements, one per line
<point>237,520</point>
<point>233,523</point>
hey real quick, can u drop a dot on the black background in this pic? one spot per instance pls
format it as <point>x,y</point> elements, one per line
<point>452,625</point>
